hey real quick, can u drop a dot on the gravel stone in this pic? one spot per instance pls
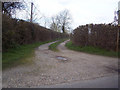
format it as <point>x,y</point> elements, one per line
<point>47,70</point>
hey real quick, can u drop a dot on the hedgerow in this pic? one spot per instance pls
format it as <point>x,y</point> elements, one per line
<point>98,35</point>
<point>18,32</point>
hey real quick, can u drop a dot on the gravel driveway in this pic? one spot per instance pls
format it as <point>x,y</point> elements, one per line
<point>47,69</point>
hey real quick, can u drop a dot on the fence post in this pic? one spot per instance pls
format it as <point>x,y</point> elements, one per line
<point>118,26</point>
<point>117,45</point>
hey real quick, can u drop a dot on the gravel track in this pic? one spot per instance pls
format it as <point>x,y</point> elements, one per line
<point>46,69</point>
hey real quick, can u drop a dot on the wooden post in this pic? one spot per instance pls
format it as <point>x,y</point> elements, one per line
<point>117,45</point>
<point>31,12</point>
<point>118,26</point>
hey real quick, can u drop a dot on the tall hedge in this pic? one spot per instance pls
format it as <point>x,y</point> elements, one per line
<point>17,32</point>
<point>98,35</point>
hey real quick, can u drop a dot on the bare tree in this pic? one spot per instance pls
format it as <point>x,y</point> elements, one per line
<point>55,24</point>
<point>62,21</point>
<point>8,8</point>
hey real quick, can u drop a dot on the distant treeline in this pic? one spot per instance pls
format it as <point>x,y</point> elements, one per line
<point>98,35</point>
<point>17,32</point>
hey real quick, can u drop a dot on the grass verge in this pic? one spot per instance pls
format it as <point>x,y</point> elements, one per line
<point>53,46</point>
<point>19,55</point>
<point>91,50</point>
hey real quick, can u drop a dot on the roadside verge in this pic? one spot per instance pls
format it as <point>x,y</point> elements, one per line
<point>20,54</point>
<point>91,50</point>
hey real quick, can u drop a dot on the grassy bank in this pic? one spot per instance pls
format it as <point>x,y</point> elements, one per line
<point>91,50</point>
<point>19,55</point>
<point>53,46</point>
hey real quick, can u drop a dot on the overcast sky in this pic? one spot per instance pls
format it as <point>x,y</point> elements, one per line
<point>82,11</point>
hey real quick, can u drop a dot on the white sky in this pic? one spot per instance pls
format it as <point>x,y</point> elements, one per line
<point>82,11</point>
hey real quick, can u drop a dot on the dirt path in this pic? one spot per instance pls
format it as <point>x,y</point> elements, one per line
<point>46,69</point>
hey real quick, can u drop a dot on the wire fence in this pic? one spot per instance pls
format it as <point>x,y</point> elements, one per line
<point>25,13</point>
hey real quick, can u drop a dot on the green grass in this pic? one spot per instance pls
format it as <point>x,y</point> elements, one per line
<point>53,46</point>
<point>91,50</point>
<point>19,55</point>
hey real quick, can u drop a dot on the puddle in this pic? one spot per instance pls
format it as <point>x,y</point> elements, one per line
<point>62,58</point>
